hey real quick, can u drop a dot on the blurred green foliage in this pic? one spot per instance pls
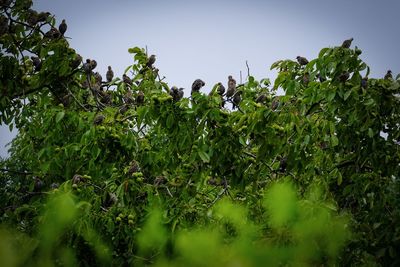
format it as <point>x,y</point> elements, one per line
<point>127,172</point>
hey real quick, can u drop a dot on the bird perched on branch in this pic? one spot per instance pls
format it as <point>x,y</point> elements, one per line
<point>237,98</point>
<point>261,98</point>
<point>126,79</point>
<point>347,43</point>
<point>151,60</point>
<point>306,78</point>
<point>93,64</point>
<point>87,67</point>
<point>76,62</point>
<point>36,63</point>
<point>99,119</point>
<point>177,94</point>
<point>109,74</point>
<point>220,89</point>
<point>140,98</point>
<point>344,76</point>
<point>62,27</point>
<point>197,85</point>
<point>231,87</point>
<point>388,75</point>
<point>98,78</point>
<point>302,60</point>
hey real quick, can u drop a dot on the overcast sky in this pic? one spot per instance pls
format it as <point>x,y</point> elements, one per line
<point>213,39</point>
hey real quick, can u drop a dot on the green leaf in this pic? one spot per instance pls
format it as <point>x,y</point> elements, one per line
<point>339,178</point>
<point>60,115</point>
<point>204,156</point>
<point>347,94</point>
<point>370,132</point>
<point>334,140</point>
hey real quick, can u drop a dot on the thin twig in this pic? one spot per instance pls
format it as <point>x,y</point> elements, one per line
<point>15,171</point>
<point>248,70</point>
<point>76,100</point>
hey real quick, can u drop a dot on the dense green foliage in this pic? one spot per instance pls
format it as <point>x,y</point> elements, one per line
<point>100,176</point>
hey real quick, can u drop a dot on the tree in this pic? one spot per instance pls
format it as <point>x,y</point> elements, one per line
<point>128,172</point>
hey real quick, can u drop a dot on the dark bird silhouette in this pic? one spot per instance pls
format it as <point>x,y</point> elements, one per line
<point>109,74</point>
<point>99,119</point>
<point>231,87</point>
<point>151,61</point>
<point>87,67</point>
<point>181,93</point>
<point>344,76</point>
<point>36,63</point>
<point>177,94</point>
<point>62,27</point>
<point>220,89</point>
<point>76,62</point>
<point>283,164</point>
<point>236,99</point>
<point>38,184</point>
<point>320,78</point>
<point>126,79</point>
<point>302,60</point>
<point>388,75</point>
<point>347,43</point>
<point>140,98</point>
<point>261,98</point>
<point>197,85</point>
<point>306,78</point>
<point>98,78</point>
<point>364,82</point>
<point>93,64</point>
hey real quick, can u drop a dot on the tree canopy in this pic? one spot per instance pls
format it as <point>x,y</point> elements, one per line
<point>129,171</point>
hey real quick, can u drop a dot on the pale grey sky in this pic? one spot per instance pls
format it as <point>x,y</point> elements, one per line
<point>213,39</point>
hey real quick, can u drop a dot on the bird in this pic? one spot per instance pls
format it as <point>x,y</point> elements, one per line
<point>275,104</point>
<point>76,62</point>
<point>344,76</point>
<point>181,93</point>
<point>98,78</point>
<point>42,16</point>
<point>140,98</point>
<point>62,27</point>
<point>197,85</point>
<point>134,167</point>
<point>261,98</point>
<point>151,61</point>
<point>106,97</point>
<point>76,179</point>
<point>347,43</point>
<point>221,89</point>
<point>36,63</point>
<point>93,64</point>
<point>126,79</point>
<point>38,184</point>
<point>32,17</point>
<point>283,164</point>
<point>320,78</point>
<point>231,87</point>
<point>236,99</point>
<point>87,67</point>
<point>306,78</point>
<point>128,98</point>
<point>109,74</point>
<point>364,82</point>
<point>388,75</point>
<point>99,119</point>
<point>302,60</point>
<point>177,94</point>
